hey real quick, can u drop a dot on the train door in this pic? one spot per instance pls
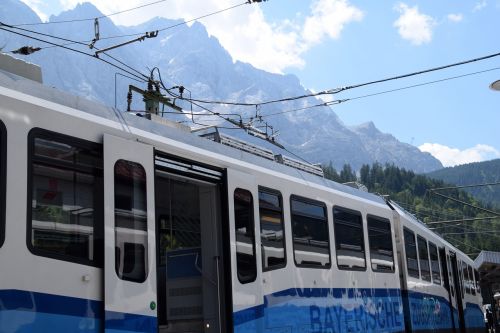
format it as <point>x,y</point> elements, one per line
<point>189,254</point>
<point>448,284</point>
<point>458,291</point>
<point>129,242</point>
<point>246,271</point>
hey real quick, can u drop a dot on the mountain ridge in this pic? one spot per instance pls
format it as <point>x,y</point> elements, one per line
<point>188,55</point>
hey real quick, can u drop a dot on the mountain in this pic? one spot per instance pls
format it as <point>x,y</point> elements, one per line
<point>487,172</point>
<point>187,55</point>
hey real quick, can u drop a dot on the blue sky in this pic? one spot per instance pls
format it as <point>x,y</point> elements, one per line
<point>333,43</point>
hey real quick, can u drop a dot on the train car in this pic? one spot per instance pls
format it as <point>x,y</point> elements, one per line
<point>437,296</point>
<point>117,223</point>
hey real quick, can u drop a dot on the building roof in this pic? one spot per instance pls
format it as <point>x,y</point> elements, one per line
<point>488,265</point>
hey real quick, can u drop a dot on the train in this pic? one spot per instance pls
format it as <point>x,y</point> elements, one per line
<point>110,222</point>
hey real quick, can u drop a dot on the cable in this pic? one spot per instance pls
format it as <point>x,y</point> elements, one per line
<point>42,34</point>
<point>175,25</point>
<point>74,50</point>
<point>464,186</point>
<point>338,90</point>
<point>492,233</point>
<point>465,203</point>
<point>91,18</point>
<point>461,242</point>
<point>464,220</point>
<point>334,102</point>
<point>426,83</point>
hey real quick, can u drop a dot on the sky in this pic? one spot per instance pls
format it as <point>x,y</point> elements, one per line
<point>336,43</point>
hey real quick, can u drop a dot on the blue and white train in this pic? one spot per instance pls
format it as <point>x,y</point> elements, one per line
<point>116,223</point>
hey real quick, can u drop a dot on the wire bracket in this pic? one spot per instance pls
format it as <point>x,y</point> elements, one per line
<point>96,34</point>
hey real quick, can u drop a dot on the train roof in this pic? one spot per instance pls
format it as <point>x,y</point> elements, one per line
<point>36,89</point>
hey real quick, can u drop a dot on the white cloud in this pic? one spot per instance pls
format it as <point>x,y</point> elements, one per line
<point>455,17</point>
<point>244,31</point>
<point>413,25</point>
<point>328,20</point>
<point>479,5</point>
<point>453,156</point>
<point>35,6</point>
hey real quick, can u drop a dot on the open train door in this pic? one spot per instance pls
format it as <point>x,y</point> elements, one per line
<point>246,270</point>
<point>129,241</point>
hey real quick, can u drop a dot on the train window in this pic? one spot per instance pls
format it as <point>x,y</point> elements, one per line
<point>476,276</point>
<point>472,286</point>
<point>465,278</point>
<point>131,227</point>
<point>436,272</point>
<point>349,240</point>
<point>245,236</point>
<point>311,243</point>
<point>381,249</point>
<point>423,255</point>
<point>411,253</point>
<point>272,233</point>
<point>3,162</point>
<point>65,195</point>
<point>450,276</point>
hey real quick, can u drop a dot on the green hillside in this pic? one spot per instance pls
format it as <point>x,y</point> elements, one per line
<point>475,173</point>
<point>462,227</point>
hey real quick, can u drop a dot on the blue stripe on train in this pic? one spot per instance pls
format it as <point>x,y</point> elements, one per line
<point>25,311</point>
<point>324,310</point>
<point>428,312</point>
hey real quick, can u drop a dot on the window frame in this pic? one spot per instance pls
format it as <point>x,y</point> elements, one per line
<point>477,278</point>
<point>98,199</point>
<point>118,254</point>
<point>463,283</point>
<point>353,212</point>
<point>472,282</point>
<point>408,230</point>
<point>280,197</point>
<point>429,245</point>
<point>325,210</point>
<point>428,258</point>
<point>254,245</point>
<point>3,180</point>
<point>381,219</point>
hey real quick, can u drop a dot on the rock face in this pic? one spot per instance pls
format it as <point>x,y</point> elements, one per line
<point>187,55</point>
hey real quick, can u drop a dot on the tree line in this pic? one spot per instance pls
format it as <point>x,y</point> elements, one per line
<point>459,222</point>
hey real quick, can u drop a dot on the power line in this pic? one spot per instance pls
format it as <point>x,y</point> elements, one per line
<point>464,220</point>
<point>465,203</point>
<point>77,51</point>
<point>159,30</point>
<point>464,186</point>
<point>335,102</point>
<point>487,232</point>
<point>341,89</point>
<point>463,243</point>
<point>90,18</point>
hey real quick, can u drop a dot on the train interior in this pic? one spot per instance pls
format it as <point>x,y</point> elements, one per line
<point>188,218</point>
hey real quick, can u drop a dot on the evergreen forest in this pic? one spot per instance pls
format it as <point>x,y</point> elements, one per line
<point>451,213</point>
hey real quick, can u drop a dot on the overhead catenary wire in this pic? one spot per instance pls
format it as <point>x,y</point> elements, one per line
<point>339,101</point>
<point>464,220</point>
<point>464,186</point>
<point>102,16</point>
<point>141,77</point>
<point>160,29</point>
<point>91,18</point>
<point>341,89</point>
